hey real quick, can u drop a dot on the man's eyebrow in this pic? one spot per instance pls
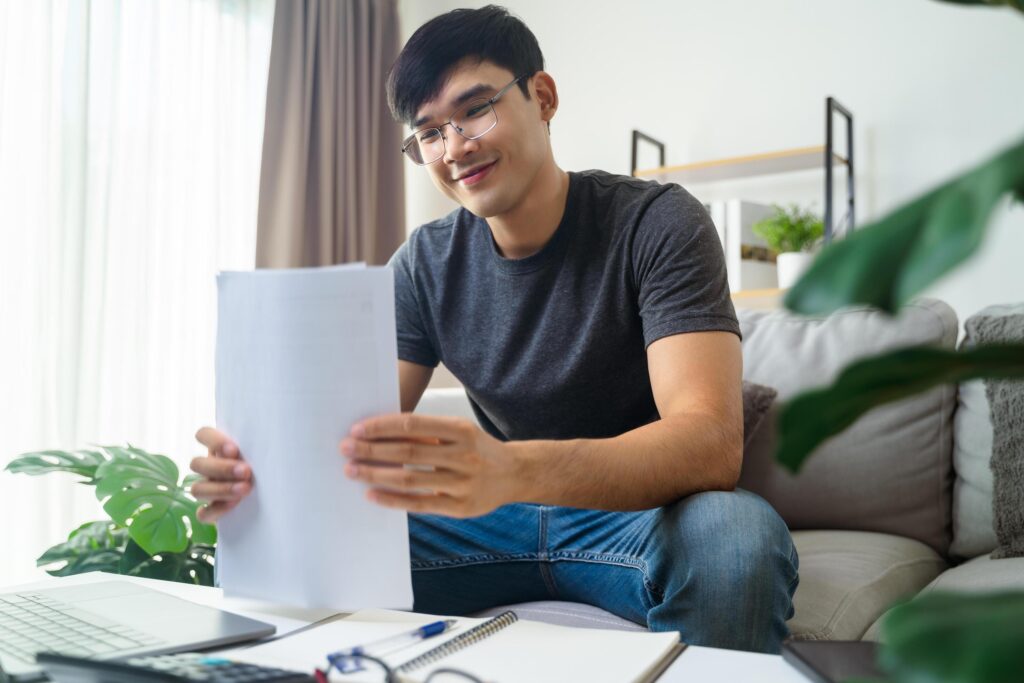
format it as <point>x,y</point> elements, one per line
<point>466,95</point>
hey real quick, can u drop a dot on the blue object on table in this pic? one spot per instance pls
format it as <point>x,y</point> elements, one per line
<point>347,661</point>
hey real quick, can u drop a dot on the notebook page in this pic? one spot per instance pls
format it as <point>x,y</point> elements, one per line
<point>525,651</point>
<point>541,653</point>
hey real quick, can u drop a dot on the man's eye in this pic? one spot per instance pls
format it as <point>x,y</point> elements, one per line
<point>427,135</point>
<point>477,110</point>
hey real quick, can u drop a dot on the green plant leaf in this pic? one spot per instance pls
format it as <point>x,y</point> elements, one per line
<point>194,565</point>
<point>1016,4</point>
<point>790,229</point>
<point>83,463</point>
<point>140,490</point>
<point>886,263</point>
<point>955,638</point>
<point>812,417</point>
<point>94,546</point>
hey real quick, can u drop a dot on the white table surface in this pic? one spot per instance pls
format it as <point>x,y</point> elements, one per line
<point>694,665</point>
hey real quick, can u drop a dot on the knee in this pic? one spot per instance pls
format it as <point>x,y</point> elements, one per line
<point>734,540</point>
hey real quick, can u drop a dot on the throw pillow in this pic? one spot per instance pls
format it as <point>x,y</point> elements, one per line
<point>757,401</point>
<point>1006,403</point>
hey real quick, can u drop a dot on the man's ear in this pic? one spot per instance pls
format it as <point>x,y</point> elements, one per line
<point>547,95</point>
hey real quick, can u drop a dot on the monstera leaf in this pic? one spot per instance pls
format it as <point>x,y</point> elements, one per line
<point>82,463</point>
<point>887,262</point>
<point>812,417</point>
<point>140,490</point>
<point>193,565</point>
<point>955,638</point>
<point>94,546</point>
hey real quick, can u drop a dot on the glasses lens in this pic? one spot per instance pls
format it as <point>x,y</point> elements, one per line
<point>424,146</point>
<point>475,119</point>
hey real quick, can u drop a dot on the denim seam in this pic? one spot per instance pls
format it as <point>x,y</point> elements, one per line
<point>475,559</point>
<point>655,591</point>
<point>542,552</point>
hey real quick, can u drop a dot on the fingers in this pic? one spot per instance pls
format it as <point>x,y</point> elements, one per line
<point>449,456</point>
<point>433,505</point>
<point>221,469</point>
<point>217,442</point>
<point>409,425</point>
<point>214,511</point>
<point>220,490</point>
<point>408,480</point>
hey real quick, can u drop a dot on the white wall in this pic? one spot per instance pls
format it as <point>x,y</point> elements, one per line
<point>932,87</point>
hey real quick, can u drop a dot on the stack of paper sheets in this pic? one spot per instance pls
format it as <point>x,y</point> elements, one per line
<point>302,355</point>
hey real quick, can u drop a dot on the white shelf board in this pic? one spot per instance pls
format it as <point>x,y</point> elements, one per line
<point>783,161</point>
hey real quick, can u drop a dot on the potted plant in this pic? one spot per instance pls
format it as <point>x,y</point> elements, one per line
<point>152,531</point>
<point>792,233</point>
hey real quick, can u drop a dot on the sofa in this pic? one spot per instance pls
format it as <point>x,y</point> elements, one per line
<point>899,503</point>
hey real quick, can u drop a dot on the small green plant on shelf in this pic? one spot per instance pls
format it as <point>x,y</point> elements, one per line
<point>153,530</point>
<point>790,229</point>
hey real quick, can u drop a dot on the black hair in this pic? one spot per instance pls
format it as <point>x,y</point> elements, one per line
<point>490,34</point>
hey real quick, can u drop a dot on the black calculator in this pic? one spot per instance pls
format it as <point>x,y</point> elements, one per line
<point>189,666</point>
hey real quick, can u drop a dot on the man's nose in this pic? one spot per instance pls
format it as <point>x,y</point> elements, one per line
<point>456,146</point>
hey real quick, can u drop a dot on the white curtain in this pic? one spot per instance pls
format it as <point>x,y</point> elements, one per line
<point>130,139</point>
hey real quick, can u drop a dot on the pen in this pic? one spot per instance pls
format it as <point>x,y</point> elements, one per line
<point>390,643</point>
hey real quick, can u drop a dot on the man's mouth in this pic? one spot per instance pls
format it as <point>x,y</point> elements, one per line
<point>477,174</point>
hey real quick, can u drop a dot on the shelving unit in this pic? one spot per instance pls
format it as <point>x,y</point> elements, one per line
<point>784,161</point>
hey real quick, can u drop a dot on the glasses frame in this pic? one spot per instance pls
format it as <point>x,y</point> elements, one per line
<point>411,139</point>
<point>338,661</point>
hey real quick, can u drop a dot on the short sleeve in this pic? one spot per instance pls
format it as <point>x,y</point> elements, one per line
<point>679,269</point>
<point>414,344</point>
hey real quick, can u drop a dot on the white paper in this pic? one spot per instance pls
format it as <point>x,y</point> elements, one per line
<point>302,355</point>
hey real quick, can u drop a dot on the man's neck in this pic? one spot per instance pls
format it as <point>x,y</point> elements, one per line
<point>525,230</point>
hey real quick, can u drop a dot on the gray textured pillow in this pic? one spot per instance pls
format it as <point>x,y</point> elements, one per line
<point>1006,402</point>
<point>890,471</point>
<point>973,525</point>
<point>757,401</point>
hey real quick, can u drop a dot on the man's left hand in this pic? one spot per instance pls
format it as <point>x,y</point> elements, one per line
<point>434,465</point>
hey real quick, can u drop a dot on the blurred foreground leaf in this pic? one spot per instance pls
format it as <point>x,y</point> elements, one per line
<point>955,638</point>
<point>814,416</point>
<point>887,262</point>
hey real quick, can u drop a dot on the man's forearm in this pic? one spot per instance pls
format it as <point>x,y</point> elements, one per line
<point>644,468</point>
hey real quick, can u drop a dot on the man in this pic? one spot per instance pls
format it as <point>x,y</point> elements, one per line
<point>588,316</point>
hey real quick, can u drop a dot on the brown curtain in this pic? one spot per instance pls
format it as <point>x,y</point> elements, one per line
<point>331,183</point>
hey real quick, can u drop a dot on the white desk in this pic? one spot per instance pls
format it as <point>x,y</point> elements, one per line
<point>695,665</point>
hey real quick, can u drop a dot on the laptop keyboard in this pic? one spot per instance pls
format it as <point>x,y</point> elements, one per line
<point>31,623</point>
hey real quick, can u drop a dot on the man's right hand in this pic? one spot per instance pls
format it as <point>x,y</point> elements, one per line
<point>227,478</point>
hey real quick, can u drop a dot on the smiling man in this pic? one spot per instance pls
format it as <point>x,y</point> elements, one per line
<point>588,317</point>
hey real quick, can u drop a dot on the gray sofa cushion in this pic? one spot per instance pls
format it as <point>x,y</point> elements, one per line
<point>980,574</point>
<point>890,471</point>
<point>849,578</point>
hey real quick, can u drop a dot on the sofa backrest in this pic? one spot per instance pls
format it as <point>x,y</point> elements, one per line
<point>888,472</point>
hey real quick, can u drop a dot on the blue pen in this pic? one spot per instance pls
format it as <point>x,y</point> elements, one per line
<point>350,657</point>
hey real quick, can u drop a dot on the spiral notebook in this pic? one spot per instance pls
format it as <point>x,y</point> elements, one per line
<point>504,649</point>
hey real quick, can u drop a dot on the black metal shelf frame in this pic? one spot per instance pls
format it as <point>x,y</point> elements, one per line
<point>832,107</point>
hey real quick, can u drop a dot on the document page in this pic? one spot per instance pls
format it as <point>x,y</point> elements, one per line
<point>302,355</point>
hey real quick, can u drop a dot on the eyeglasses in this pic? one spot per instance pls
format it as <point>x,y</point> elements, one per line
<point>471,121</point>
<point>352,663</point>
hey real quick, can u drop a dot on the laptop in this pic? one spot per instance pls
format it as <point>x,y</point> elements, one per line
<point>109,620</point>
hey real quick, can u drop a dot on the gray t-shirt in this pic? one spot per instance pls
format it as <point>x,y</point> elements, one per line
<point>553,346</point>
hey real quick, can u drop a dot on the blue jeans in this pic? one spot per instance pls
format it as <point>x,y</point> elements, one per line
<point>719,567</point>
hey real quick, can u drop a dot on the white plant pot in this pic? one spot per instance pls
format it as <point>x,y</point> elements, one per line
<point>791,265</point>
